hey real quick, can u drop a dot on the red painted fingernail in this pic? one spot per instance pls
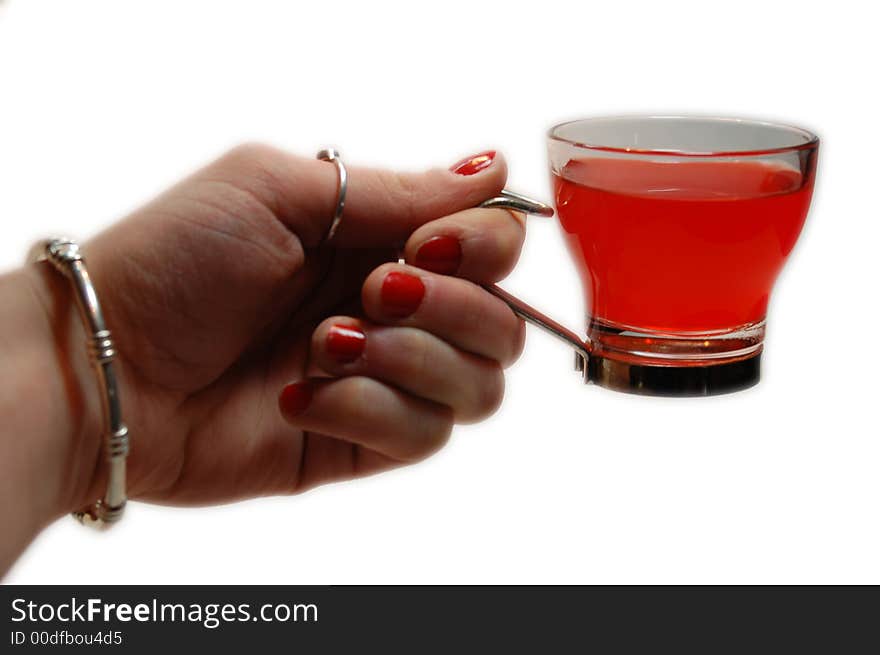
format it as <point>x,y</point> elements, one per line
<point>439,255</point>
<point>401,293</point>
<point>295,398</point>
<point>474,163</point>
<point>345,343</point>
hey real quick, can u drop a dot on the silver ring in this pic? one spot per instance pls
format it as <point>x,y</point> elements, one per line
<point>332,155</point>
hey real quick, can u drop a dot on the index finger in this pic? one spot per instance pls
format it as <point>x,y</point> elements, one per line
<point>481,245</point>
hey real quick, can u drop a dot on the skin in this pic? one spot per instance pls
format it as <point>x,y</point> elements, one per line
<point>217,296</point>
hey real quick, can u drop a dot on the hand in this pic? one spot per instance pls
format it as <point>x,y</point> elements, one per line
<point>220,300</point>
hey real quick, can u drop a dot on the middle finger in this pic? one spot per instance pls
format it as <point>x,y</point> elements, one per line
<point>457,311</point>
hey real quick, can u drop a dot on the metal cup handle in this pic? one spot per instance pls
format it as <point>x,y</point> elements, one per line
<point>582,347</point>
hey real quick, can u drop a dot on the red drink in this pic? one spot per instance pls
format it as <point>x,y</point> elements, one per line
<point>679,227</point>
<point>680,246</point>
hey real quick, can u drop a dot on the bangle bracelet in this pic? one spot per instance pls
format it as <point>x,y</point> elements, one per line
<point>65,256</point>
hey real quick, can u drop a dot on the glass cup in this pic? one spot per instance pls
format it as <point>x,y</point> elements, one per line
<point>678,227</point>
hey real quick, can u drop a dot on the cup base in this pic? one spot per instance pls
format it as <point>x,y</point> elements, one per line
<point>674,380</point>
<point>675,363</point>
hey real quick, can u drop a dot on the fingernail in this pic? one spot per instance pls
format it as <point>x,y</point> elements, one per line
<point>295,398</point>
<point>345,343</point>
<point>474,163</point>
<point>401,294</point>
<point>439,255</point>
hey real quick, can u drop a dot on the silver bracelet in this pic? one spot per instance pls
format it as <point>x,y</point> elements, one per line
<point>65,256</point>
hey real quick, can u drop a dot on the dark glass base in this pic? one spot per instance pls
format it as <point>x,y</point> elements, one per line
<point>675,380</point>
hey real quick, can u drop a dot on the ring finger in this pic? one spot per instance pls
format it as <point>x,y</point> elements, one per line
<point>413,360</point>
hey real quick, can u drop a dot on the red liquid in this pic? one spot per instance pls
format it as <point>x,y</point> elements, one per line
<point>680,246</point>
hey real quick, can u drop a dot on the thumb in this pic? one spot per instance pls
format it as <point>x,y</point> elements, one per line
<point>382,208</point>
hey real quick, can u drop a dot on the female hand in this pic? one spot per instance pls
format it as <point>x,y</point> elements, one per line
<point>253,362</point>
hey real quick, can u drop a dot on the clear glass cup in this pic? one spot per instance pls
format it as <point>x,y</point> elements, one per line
<point>679,227</point>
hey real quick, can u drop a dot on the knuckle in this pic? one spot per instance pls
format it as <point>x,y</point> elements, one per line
<point>490,393</point>
<point>418,347</point>
<point>519,218</point>
<point>362,399</point>
<point>257,169</point>
<point>500,329</point>
<point>517,342</point>
<point>434,433</point>
<point>249,157</point>
<point>473,309</point>
<point>232,213</point>
<point>414,360</point>
<point>499,239</point>
<point>513,237</point>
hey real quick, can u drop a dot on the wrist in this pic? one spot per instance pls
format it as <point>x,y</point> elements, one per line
<point>60,410</point>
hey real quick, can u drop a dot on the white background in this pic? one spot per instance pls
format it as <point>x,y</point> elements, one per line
<point>103,104</point>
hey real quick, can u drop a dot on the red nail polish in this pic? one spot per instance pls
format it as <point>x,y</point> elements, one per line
<point>345,343</point>
<point>295,398</point>
<point>401,294</point>
<point>439,255</point>
<point>474,163</point>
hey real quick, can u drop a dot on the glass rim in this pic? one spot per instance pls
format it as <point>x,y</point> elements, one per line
<point>812,140</point>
